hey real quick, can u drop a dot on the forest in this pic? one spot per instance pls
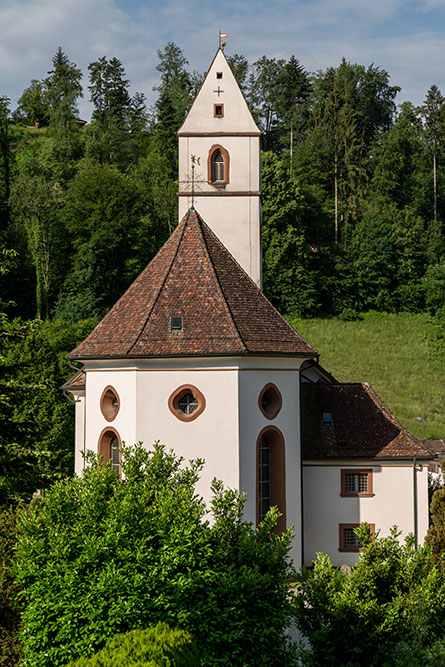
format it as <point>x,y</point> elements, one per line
<point>353,210</point>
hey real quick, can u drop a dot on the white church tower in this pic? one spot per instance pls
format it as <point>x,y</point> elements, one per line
<point>220,132</point>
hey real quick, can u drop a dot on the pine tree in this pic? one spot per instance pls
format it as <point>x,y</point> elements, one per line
<point>433,113</point>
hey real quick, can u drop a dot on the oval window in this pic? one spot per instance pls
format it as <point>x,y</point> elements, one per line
<point>186,402</point>
<point>270,401</point>
<point>109,403</point>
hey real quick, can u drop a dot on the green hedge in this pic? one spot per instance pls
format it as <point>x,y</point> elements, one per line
<point>157,646</point>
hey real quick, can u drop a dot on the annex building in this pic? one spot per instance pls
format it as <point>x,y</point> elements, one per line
<point>195,356</point>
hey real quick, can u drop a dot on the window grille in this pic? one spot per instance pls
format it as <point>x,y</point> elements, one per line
<point>187,404</point>
<point>356,482</point>
<point>115,456</point>
<point>264,488</point>
<point>350,539</point>
<point>217,167</point>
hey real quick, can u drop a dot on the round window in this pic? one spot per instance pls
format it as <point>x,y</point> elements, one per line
<point>109,403</point>
<point>270,401</point>
<point>186,402</point>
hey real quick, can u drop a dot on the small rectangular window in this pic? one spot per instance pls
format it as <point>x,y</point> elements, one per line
<point>327,417</point>
<point>175,323</point>
<point>219,75</point>
<point>348,540</point>
<point>356,483</point>
<point>218,110</point>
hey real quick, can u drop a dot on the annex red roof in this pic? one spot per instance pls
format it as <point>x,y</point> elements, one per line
<point>361,426</point>
<point>195,277</point>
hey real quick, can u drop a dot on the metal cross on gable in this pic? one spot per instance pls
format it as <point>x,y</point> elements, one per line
<point>218,91</point>
<point>192,180</point>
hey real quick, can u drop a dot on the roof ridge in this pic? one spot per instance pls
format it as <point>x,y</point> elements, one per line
<point>155,300</point>
<point>200,223</point>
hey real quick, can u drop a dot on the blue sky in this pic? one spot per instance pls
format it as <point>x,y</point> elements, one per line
<point>405,38</point>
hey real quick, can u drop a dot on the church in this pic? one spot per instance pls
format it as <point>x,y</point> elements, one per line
<point>195,356</point>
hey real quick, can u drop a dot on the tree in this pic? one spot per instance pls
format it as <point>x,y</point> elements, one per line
<point>33,105</point>
<point>288,282</point>
<point>436,532</point>
<point>37,421</point>
<point>63,85</point>
<point>102,212</point>
<point>390,604</point>
<point>175,79</point>
<point>99,556</point>
<point>35,205</point>
<point>262,97</point>
<point>240,68</point>
<point>432,112</point>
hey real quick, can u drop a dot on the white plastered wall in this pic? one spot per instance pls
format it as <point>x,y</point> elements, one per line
<point>392,504</point>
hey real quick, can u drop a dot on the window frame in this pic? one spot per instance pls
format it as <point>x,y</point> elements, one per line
<point>218,115</point>
<point>277,473</point>
<point>105,439</point>
<point>356,494</point>
<point>105,402</point>
<point>179,393</point>
<point>341,536</point>
<point>226,157</point>
<point>276,403</point>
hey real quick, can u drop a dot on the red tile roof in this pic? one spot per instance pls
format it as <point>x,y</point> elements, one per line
<point>195,277</point>
<point>362,425</point>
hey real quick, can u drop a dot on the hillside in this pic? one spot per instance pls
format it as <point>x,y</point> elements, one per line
<point>395,354</point>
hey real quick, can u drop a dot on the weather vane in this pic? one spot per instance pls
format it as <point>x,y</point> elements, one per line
<point>222,35</point>
<point>192,181</point>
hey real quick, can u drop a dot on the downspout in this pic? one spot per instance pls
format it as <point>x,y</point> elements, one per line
<point>301,472</point>
<point>415,502</point>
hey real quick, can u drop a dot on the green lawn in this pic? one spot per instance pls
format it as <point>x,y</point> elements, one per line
<point>392,353</point>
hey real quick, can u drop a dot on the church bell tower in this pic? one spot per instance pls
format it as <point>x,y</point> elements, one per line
<point>221,134</point>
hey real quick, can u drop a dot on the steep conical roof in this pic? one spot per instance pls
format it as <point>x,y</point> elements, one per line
<point>195,277</point>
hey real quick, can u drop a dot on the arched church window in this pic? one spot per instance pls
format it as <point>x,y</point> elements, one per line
<point>109,403</point>
<point>110,449</point>
<point>186,402</point>
<point>271,478</point>
<point>218,165</point>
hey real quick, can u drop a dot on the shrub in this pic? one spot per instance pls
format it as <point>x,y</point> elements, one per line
<point>10,645</point>
<point>98,557</point>
<point>157,646</point>
<point>391,598</point>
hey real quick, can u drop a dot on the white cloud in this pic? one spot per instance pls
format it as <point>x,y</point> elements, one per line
<point>318,32</point>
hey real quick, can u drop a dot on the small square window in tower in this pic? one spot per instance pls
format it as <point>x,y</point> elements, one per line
<point>218,110</point>
<point>219,75</point>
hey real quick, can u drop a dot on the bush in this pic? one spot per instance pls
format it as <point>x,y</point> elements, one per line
<point>10,645</point>
<point>98,557</point>
<point>158,646</point>
<point>391,604</point>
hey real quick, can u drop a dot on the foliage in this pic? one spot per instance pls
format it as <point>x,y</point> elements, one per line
<point>391,603</point>
<point>156,646</point>
<point>37,421</point>
<point>10,645</point>
<point>436,532</point>
<point>97,557</point>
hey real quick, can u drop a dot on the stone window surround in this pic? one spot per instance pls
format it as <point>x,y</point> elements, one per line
<point>176,396</point>
<point>364,494</point>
